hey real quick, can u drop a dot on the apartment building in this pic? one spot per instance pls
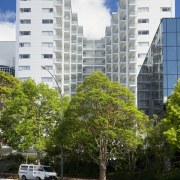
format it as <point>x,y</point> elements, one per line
<point>48,35</point>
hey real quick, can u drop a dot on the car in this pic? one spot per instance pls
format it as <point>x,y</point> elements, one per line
<point>36,172</point>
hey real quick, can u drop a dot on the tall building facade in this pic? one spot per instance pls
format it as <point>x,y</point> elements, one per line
<point>48,35</point>
<point>7,56</point>
<point>161,68</point>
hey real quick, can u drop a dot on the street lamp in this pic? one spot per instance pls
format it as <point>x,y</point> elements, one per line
<point>62,112</point>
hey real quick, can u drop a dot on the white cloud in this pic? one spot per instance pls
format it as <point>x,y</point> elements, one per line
<point>93,15</point>
<point>7,16</point>
<point>7,31</point>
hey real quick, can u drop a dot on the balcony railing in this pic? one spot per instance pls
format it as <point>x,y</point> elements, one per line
<point>58,2</point>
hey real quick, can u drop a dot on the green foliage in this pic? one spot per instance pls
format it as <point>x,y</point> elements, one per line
<point>102,120</point>
<point>170,124</point>
<point>31,116</point>
<point>7,84</point>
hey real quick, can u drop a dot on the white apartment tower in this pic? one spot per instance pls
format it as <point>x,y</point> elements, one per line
<point>48,35</point>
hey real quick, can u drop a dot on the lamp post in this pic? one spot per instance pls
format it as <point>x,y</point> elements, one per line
<point>62,112</point>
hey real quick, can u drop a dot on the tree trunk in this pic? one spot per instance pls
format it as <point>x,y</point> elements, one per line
<point>38,157</point>
<point>103,159</point>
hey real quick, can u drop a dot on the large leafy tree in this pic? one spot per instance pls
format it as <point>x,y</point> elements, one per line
<point>31,116</point>
<point>103,121</point>
<point>171,122</point>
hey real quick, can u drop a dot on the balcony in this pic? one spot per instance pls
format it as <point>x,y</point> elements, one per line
<point>132,2</point>
<point>132,71</point>
<point>58,48</point>
<point>132,48</point>
<point>57,25</point>
<point>58,2</point>
<point>132,60</point>
<point>57,14</point>
<point>132,83</point>
<point>56,37</point>
<point>132,13</point>
<point>132,25</point>
<point>132,36</point>
<point>57,60</point>
<point>102,63</point>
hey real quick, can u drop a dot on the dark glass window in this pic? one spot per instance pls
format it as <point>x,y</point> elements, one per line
<point>164,25</point>
<point>171,25</point>
<point>164,53</point>
<point>165,92</point>
<point>164,67</point>
<point>171,53</point>
<point>178,25</point>
<point>47,21</point>
<point>171,39</point>
<point>165,81</point>
<point>178,53</point>
<point>171,67</point>
<point>178,67</point>
<point>164,39</point>
<point>178,38</point>
<point>172,80</point>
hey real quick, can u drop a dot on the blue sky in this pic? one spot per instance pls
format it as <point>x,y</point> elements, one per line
<point>10,5</point>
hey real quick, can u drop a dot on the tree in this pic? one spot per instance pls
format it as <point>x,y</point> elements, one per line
<point>7,84</point>
<point>31,116</point>
<point>171,122</point>
<point>102,120</point>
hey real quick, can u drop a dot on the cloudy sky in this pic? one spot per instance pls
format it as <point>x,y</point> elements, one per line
<point>94,15</point>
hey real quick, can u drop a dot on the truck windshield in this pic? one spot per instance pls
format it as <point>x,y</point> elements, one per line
<point>48,169</point>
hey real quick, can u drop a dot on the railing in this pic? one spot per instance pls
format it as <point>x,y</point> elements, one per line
<point>57,60</point>
<point>58,2</point>
<point>57,14</point>
<point>58,25</point>
<point>132,59</point>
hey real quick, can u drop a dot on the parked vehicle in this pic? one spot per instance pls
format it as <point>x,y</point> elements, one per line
<point>36,172</point>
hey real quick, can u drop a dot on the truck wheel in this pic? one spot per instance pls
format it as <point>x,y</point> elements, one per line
<point>38,178</point>
<point>23,177</point>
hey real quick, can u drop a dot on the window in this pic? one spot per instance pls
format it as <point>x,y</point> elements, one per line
<point>48,67</point>
<point>46,79</point>
<point>25,21</point>
<point>24,56</point>
<point>47,44</point>
<point>25,10</point>
<point>47,33</point>
<point>143,32</point>
<point>47,56</point>
<point>30,168</point>
<point>25,44</point>
<point>142,55</point>
<point>47,21</point>
<point>24,33</point>
<point>143,21</point>
<point>165,9</point>
<point>143,9</point>
<point>24,168</point>
<point>22,68</point>
<point>47,10</point>
<point>143,44</point>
